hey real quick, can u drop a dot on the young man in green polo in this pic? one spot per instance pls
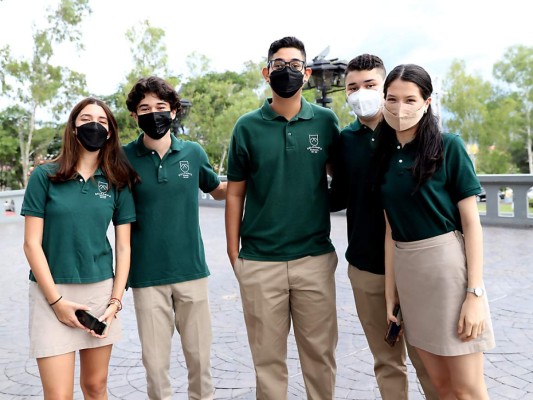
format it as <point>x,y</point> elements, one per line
<point>168,270</point>
<point>352,189</point>
<point>280,250</point>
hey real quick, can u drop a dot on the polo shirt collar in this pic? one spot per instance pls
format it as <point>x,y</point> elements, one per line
<point>98,172</point>
<point>356,125</point>
<point>141,150</point>
<point>306,111</point>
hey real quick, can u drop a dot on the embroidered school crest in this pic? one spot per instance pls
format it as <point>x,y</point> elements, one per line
<point>184,166</point>
<point>313,141</point>
<point>103,188</point>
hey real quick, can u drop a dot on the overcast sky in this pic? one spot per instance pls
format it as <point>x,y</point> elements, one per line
<point>231,32</point>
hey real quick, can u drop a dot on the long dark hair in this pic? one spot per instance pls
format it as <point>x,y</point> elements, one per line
<point>111,158</point>
<point>428,137</point>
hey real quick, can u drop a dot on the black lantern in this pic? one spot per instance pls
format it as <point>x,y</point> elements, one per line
<point>177,124</point>
<point>327,77</point>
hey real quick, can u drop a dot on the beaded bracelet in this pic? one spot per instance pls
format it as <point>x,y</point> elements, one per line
<point>115,301</point>
<point>55,302</point>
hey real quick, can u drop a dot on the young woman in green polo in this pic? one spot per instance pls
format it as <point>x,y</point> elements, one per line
<point>433,244</point>
<point>68,206</point>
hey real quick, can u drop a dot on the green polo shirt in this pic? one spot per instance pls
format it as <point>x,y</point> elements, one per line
<point>286,214</point>
<point>432,210</point>
<point>166,241</point>
<point>76,217</point>
<point>352,188</point>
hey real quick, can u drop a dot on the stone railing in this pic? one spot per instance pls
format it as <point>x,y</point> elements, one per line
<point>10,203</point>
<point>502,207</point>
<point>507,200</point>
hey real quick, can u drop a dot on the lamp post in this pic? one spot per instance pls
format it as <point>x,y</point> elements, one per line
<point>327,77</point>
<point>177,124</point>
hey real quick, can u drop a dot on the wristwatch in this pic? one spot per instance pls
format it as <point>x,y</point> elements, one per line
<point>478,291</point>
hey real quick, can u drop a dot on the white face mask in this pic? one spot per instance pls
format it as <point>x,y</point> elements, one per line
<point>365,103</point>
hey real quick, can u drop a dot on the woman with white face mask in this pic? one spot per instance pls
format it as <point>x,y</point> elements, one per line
<point>433,244</point>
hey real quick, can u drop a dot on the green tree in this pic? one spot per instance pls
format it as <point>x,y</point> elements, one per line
<point>149,57</point>
<point>466,98</point>
<point>36,84</point>
<point>338,104</point>
<point>516,69</point>
<point>10,119</point>
<point>219,99</point>
<point>482,116</point>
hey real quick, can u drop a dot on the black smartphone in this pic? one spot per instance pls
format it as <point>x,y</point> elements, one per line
<point>90,321</point>
<point>393,330</point>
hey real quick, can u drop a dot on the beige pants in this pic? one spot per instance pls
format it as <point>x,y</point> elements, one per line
<point>389,362</point>
<point>272,294</point>
<point>160,308</point>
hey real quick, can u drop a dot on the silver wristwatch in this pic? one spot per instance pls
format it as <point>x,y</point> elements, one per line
<point>478,291</point>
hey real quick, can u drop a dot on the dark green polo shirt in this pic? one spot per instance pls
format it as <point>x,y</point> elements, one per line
<point>432,210</point>
<point>166,241</point>
<point>286,214</point>
<point>353,189</point>
<point>76,217</point>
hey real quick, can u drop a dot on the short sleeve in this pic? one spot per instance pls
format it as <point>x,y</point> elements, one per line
<point>208,179</point>
<point>36,194</point>
<point>338,192</point>
<point>462,180</point>
<point>335,137</point>
<point>124,207</point>
<point>237,160</point>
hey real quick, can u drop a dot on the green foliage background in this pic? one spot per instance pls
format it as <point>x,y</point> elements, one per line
<point>494,118</point>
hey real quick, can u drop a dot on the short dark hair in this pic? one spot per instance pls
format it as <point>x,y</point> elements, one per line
<point>157,86</point>
<point>286,42</point>
<point>366,62</point>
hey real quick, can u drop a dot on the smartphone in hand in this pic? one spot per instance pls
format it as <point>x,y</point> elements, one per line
<point>90,321</point>
<point>393,330</point>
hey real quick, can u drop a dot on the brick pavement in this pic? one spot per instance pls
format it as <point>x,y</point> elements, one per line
<point>508,368</point>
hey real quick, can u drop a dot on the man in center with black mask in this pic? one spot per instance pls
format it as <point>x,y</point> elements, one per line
<point>281,251</point>
<point>168,271</point>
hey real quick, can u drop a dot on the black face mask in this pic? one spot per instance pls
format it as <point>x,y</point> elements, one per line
<point>92,135</point>
<point>155,124</point>
<point>286,83</point>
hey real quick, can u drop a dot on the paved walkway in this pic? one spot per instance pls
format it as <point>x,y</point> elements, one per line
<point>508,368</point>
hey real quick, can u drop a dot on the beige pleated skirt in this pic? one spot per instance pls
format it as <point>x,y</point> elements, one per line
<point>49,337</point>
<point>431,279</point>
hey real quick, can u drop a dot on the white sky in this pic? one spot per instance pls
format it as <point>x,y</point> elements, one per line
<point>230,32</point>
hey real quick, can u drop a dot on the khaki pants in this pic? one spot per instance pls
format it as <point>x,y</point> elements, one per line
<point>272,294</point>
<point>160,308</point>
<point>389,362</point>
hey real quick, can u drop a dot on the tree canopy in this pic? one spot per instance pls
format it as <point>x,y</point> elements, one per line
<point>492,116</point>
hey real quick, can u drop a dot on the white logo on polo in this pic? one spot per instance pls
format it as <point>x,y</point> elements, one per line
<point>103,188</point>
<point>184,166</point>
<point>314,148</point>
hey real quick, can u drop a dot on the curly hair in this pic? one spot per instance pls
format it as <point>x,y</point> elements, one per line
<point>153,84</point>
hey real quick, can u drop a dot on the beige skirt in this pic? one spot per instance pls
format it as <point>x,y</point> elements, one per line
<point>431,278</point>
<point>49,337</point>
